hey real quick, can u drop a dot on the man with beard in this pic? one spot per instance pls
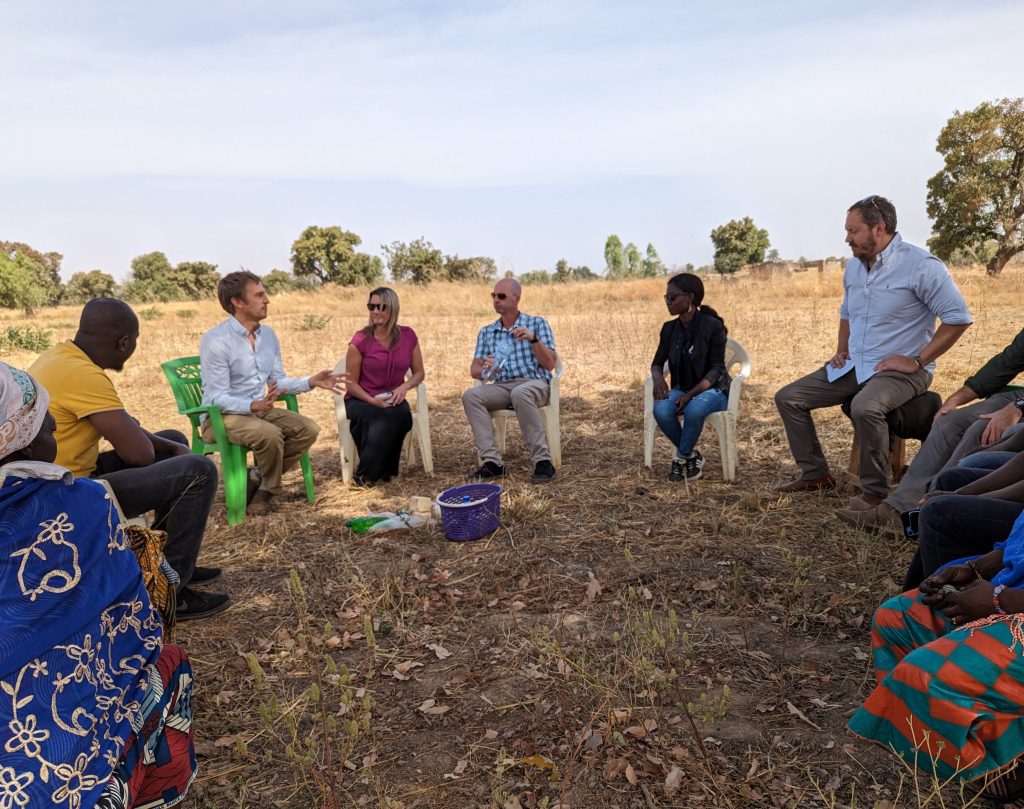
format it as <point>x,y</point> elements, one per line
<point>885,353</point>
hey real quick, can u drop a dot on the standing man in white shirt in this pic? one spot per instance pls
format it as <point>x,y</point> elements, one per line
<point>893,293</point>
<point>243,375</point>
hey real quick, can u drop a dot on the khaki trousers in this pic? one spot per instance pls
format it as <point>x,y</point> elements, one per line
<point>526,396</point>
<point>870,404</point>
<point>277,438</point>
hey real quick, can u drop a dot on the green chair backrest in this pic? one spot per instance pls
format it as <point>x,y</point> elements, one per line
<point>186,382</point>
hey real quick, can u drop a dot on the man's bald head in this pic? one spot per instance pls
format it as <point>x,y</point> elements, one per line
<point>107,332</point>
<point>107,316</point>
<point>509,285</point>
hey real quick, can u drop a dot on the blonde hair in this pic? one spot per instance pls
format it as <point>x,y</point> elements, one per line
<point>389,298</point>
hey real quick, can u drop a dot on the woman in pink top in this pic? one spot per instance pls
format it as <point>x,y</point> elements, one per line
<point>378,359</point>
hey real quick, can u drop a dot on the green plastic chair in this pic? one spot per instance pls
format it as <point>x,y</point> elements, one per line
<point>187,385</point>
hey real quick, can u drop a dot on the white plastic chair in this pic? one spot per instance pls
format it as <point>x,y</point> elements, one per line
<point>549,414</point>
<point>420,432</point>
<point>724,421</point>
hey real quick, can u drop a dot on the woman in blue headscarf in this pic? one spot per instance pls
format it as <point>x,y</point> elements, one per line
<point>94,709</point>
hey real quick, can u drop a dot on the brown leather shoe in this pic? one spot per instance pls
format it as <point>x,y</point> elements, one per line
<point>807,484</point>
<point>261,504</point>
<point>880,519</point>
<point>864,501</point>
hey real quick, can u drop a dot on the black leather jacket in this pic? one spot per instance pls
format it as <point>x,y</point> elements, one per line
<point>695,353</point>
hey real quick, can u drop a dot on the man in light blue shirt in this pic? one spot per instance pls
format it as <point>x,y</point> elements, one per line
<point>885,356</point>
<point>243,375</point>
<point>516,353</point>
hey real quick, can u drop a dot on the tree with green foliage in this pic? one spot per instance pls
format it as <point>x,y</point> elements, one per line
<point>329,255</point>
<point>418,261</point>
<point>979,194</point>
<point>738,242</point>
<point>278,281</point>
<point>195,280</point>
<point>84,286</point>
<point>477,268</point>
<point>535,277</point>
<point>19,287</point>
<point>634,261</point>
<point>614,258</point>
<point>653,265</point>
<point>151,279</point>
<point>45,269</point>
<point>564,273</point>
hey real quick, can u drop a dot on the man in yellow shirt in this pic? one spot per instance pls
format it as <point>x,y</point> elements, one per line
<point>147,472</point>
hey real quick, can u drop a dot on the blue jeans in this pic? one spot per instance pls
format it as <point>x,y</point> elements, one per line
<point>986,460</point>
<point>684,438</point>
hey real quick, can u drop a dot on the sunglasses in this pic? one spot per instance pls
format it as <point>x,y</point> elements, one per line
<point>499,295</point>
<point>871,201</point>
<point>673,295</point>
<point>379,307</point>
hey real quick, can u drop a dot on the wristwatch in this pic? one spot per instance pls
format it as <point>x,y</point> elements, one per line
<point>535,339</point>
<point>917,358</point>
<point>1019,403</point>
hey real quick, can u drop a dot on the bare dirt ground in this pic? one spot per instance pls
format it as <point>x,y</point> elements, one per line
<point>621,641</point>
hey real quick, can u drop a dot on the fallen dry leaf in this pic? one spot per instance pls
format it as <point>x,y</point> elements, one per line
<point>613,767</point>
<point>674,779</point>
<point>407,666</point>
<point>439,650</point>
<point>428,706</point>
<point>593,589</point>
<point>224,741</point>
<point>543,763</point>
<point>800,714</point>
<point>631,774</point>
<point>490,735</point>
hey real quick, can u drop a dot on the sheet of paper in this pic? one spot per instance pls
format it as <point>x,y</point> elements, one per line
<point>834,373</point>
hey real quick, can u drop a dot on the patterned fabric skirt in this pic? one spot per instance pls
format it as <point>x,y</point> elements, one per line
<point>949,700</point>
<point>159,762</point>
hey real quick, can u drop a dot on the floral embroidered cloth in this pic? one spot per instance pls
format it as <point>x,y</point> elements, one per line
<point>79,641</point>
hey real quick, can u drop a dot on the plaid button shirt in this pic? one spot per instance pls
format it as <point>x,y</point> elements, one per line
<point>522,363</point>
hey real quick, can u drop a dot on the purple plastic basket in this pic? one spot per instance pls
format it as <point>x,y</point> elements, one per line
<point>470,512</point>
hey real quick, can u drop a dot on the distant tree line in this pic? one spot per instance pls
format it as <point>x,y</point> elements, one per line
<point>976,203</point>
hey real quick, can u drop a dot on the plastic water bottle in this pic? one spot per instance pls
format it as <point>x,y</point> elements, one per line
<point>501,356</point>
<point>363,524</point>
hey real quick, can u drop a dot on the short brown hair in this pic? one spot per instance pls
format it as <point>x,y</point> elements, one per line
<point>875,209</point>
<point>233,285</point>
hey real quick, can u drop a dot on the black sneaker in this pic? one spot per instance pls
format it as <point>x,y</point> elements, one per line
<point>693,465</point>
<point>543,472</point>
<point>678,471</point>
<point>488,471</point>
<point>194,604</point>
<point>204,575</point>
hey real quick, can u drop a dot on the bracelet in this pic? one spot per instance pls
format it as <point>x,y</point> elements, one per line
<point>974,566</point>
<point>995,599</point>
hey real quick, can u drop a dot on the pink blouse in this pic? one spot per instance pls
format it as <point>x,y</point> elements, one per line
<point>383,369</point>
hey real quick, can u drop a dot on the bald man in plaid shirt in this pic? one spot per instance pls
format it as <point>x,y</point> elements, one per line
<point>521,379</point>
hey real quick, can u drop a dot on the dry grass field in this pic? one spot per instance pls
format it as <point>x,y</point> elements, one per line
<point>621,641</point>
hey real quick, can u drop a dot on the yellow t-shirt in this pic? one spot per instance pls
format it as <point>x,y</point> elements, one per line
<point>78,387</point>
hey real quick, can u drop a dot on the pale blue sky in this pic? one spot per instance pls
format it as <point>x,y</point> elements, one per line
<point>523,130</point>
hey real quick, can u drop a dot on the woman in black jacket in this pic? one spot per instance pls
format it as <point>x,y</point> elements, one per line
<point>693,343</point>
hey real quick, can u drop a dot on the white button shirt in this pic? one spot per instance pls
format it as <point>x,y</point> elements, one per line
<point>236,373</point>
